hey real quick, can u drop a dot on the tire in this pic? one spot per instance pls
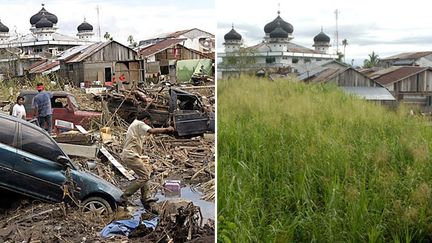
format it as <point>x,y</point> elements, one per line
<point>97,206</point>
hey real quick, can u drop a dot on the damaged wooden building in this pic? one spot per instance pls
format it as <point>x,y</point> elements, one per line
<point>161,58</point>
<point>100,62</point>
<point>410,85</point>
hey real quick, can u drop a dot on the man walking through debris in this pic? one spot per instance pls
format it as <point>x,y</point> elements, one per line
<point>42,108</point>
<point>133,158</point>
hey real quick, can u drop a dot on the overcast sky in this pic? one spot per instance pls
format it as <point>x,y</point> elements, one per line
<point>386,27</point>
<point>142,19</point>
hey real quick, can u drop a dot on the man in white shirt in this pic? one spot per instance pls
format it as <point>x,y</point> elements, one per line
<point>133,158</point>
<point>18,109</point>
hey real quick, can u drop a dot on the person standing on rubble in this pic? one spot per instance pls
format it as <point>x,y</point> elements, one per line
<point>42,108</point>
<point>133,158</point>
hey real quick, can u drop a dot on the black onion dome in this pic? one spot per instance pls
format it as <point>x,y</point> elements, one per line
<point>44,23</point>
<point>38,16</point>
<point>279,33</point>
<point>268,28</point>
<point>3,28</point>
<point>321,37</point>
<point>85,27</point>
<point>232,35</point>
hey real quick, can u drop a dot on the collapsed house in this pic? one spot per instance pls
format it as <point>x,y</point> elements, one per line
<point>162,58</point>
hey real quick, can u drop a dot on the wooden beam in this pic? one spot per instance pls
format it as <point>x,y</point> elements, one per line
<point>117,164</point>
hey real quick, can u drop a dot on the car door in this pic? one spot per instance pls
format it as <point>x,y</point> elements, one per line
<point>37,171</point>
<point>8,152</point>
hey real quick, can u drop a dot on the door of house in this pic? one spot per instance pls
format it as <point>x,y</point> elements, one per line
<point>108,74</point>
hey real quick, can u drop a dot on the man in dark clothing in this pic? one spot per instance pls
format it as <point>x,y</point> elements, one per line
<point>42,108</point>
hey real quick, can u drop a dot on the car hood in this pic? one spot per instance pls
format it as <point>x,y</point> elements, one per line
<point>89,183</point>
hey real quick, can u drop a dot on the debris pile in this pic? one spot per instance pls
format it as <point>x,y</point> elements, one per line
<point>39,222</point>
<point>188,158</point>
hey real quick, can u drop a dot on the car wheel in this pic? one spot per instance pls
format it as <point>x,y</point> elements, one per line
<point>97,206</point>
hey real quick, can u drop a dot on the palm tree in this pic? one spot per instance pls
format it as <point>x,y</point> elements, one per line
<point>344,43</point>
<point>372,61</point>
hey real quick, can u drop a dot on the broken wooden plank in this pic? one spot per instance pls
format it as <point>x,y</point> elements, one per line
<point>81,129</point>
<point>79,150</point>
<point>116,164</point>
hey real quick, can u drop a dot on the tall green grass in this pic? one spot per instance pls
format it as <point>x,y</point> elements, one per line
<point>308,163</point>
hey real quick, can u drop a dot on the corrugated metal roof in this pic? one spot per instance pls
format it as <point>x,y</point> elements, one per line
<point>71,52</point>
<point>88,51</point>
<point>302,68</point>
<point>327,74</point>
<point>35,64</point>
<point>160,46</point>
<point>311,72</point>
<point>43,67</point>
<point>382,72</point>
<point>409,55</point>
<point>177,34</point>
<point>398,74</point>
<point>369,93</point>
<point>78,54</point>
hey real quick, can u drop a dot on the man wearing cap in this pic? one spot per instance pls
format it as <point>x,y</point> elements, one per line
<point>133,158</point>
<point>42,108</point>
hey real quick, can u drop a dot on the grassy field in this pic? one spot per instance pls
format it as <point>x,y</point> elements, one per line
<point>301,163</point>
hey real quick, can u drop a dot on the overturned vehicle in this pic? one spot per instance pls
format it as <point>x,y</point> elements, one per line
<point>167,107</point>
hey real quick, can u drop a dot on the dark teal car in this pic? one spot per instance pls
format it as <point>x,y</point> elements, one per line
<point>32,163</point>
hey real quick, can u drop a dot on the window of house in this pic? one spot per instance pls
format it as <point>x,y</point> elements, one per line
<point>295,60</point>
<point>270,59</point>
<point>307,60</point>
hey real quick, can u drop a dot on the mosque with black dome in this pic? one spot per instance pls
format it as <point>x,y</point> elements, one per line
<point>276,50</point>
<point>44,39</point>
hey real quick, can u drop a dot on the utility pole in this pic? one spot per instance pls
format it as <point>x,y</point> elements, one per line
<point>99,29</point>
<point>337,32</point>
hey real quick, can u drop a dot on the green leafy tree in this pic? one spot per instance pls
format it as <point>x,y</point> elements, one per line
<point>372,61</point>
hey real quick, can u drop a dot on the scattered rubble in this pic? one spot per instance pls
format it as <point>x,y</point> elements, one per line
<point>189,159</point>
